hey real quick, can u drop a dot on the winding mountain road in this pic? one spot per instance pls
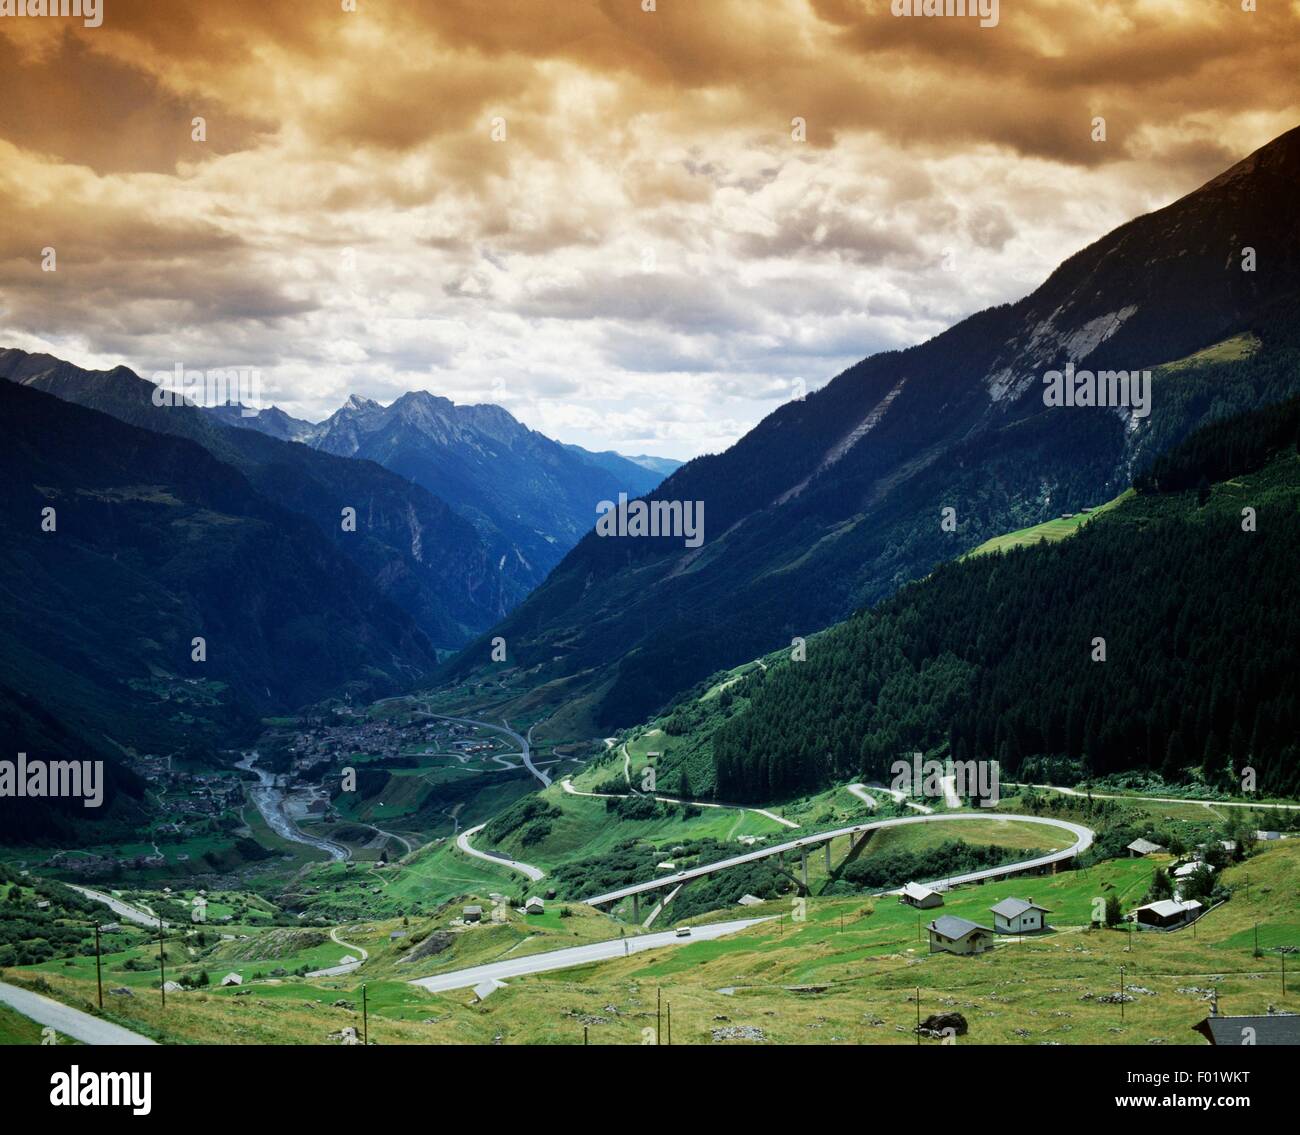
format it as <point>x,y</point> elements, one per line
<point>567,785</point>
<point>342,967</point>
<point>497,857</point>
<point>1083,838</point>
<point>524,743</point>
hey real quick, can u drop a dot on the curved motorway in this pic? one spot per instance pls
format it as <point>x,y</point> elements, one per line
<point>1083,838</point>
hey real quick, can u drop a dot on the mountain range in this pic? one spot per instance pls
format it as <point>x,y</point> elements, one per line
<point>835,501</point>
<point>530,498</point>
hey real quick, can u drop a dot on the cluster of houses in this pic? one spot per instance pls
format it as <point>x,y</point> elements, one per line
<point>1014,916</point>
<point>474,912</point>
<point>1171,913</point>
<point>954,935</point>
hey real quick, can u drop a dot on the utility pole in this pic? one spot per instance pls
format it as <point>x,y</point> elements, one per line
<point>670,1022</point>
<point>99,976</point>
<point>918,1014</point>
<point>659,1015</point>
<point>162,964</point>
<point>1121,994</point>
<point>584,1034</point>
<point>365,1018</point>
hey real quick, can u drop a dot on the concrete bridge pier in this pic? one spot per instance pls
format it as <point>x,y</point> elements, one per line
<point>803,865</point>
<point>828,857</point>
<point>636,906</point>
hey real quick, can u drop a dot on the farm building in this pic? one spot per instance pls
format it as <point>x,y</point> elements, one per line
<point>534,906</point>
<point>1266,1028</point>
<point>1167,914</point>
<point>1190,869</point>
<point>472,913</point>
<point>958,936</point>
<point>232,979</point>
<point>920,897</point>
<point>1019,916</point>
<point>1140,847</point>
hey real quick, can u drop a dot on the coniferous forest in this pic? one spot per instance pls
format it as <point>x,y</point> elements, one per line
<point>997,656</point>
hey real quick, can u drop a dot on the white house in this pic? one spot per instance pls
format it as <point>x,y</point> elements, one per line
<point>920,897</point>
<point>1019,916</point>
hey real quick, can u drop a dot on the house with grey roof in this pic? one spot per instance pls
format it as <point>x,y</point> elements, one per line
<point>1260,1028</point>
<point>955,935</point>
<point>1019,916</point>
<point>1140,847</point>
<point>1166,914</point>
<point>923,898</point>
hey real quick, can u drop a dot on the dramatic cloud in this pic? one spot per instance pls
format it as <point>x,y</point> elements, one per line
<point>605,218</point>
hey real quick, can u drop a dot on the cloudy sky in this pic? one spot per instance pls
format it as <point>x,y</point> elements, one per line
<point>603,218</point>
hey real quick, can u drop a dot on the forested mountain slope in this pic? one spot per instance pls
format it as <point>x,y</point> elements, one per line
<point>835,501</point>
<point>994,657</point>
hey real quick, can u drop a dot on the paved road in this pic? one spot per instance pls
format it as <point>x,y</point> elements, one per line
<point>136,914</point>
<point>1155,799</point>
<point>342,967</point>
<point>1083,840</point>
<point>578,956</point>
<point>501,860</point>
<point>524,743</point>
<point>901,798</point>
<point>860,791</point>
<point>567,785</point>
<point>64,1019</point>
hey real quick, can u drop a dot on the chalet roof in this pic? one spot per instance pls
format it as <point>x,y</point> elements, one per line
<point>1167,908</point>
<point>1270,1028</point>
<point>1014,908</point>
<point>1144,846</point>
<point>916,891</point>
<point>955,929</point>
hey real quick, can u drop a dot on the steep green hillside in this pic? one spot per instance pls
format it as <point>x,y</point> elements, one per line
<point>993,657</point>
